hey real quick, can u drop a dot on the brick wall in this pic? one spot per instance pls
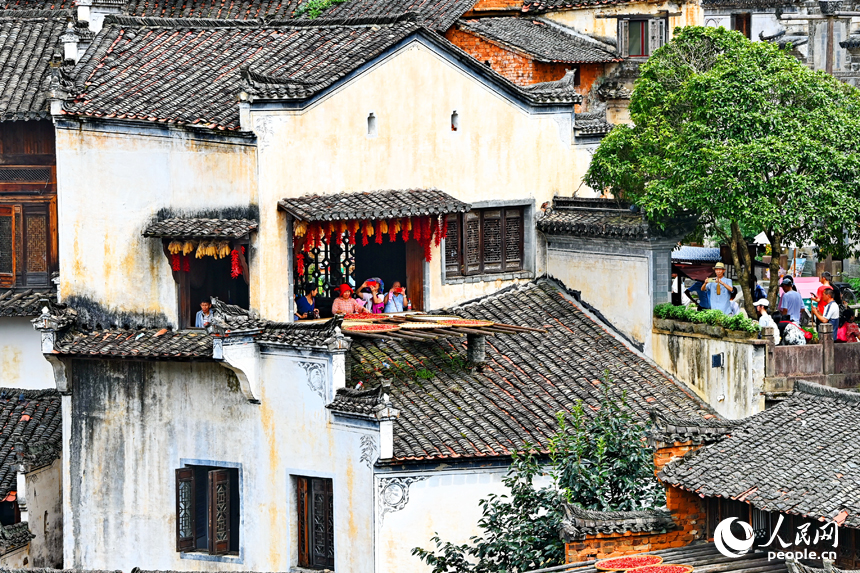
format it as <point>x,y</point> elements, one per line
<point>687,509</point>
<point>518,68</point>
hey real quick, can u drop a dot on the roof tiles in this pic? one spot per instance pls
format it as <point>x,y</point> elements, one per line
<point>798,457</point>
<point>461,412</point>
<point>372,205</point>
<point>543,40</point>
<point>592,218</point>
<point>25,303</point>
<point>137,343</point>
<point>182,228</point>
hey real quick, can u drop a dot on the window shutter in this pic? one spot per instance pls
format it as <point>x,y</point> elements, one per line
<point>219,512</point>
<point>623,37</point>
<point>302,507</point>
<point>185,509</point>
<point>513,239</point>
<point>656,34</point>
<point>492,253</point>
<point>7,247</point>
<point>453,262</point>
<point>36,248</point>
<point>322,523</point>
<point>472,242</point>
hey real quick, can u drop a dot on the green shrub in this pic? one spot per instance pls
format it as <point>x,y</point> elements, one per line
<point>742,323</point>
<point>690,313</point>
<point>662,310</point>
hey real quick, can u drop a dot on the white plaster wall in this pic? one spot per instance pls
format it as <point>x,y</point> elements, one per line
<point>21,361</point>
<point>444,502</point>
<point>500,152</point>
<point>45,515</point>
<point>585,20</point>
<point>18,559</point>
<point>111,184</point>
<point>618,286</point>
<point>132,423</point>
<point>735,391</point>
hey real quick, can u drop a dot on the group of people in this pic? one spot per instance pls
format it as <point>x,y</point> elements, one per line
<point>370,297</point>
<point>719,293</point>
<point>827,308</point>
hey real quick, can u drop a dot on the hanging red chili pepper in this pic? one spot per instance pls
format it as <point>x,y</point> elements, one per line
<point>405,225</point>
<point>438,230</point>
<point>300,264</point>
<point>174,262</point>
<point>351,237</point>
<point>235,267</point>
<point>416,228</point>
<point>364,239</point>
<point>186,264</point>
<point>392,230</point>
<point>428,231</point>
<point>378,237</point>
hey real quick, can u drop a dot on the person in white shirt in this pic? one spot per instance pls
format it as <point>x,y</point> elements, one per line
<point>831,311</point>
<point>765,321</point>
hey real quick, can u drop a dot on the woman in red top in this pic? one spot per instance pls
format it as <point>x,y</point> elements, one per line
<point>849,332</point>
<point>824,279</point>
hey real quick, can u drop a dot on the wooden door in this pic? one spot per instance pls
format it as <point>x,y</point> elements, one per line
<point>415,274</point>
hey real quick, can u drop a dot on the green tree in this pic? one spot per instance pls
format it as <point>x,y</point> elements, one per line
<point>600,461</point>
<point>747,139</point>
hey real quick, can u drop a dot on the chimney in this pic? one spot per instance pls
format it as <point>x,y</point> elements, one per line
<point>476,349</point>
<point>94,11</point>
<point>70,43</point>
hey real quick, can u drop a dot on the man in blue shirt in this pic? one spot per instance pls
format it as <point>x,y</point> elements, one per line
<point>204,315</point>
<point>791,301</point>
<point>696,288</point>
<point>720,290</point>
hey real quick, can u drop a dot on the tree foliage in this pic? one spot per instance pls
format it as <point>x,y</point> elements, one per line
<point>745,137</point>
<point>599,460</point>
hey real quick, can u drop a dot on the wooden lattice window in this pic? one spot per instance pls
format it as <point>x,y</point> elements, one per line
<point>207,510</point>
<point>27,238</point>
<point>484,241</point>
<point>315,506</point>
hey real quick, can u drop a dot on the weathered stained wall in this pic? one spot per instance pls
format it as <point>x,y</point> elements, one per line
<point>585,21</point>
<point>44,496</point>
<point>18,559</point>
<point>441,501</point>
<point>133,423</point>
<point>326,149</point>
<point>735,391</point>
<point>623,280</point>
<point>112,183</point>
<point>21,361</point>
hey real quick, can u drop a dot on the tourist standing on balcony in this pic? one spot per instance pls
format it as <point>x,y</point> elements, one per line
<point>720,290</point>
<point>395,300</point>
<point>791,301</point>
<point>306,305</point>
<point>345,304</point>
<point>831,311</point>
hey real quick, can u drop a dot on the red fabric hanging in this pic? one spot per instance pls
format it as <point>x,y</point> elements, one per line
<point>175,262</point>
<point>235,267</point>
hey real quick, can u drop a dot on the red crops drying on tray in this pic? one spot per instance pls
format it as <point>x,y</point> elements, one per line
<point>371,327</point>
<point>624,563</point>
<point>662,568</point>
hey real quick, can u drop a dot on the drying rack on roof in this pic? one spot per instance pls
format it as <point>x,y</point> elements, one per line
<point>420,327</point>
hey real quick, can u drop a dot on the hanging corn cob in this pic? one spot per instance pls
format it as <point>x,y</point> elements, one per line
<point>201,250</point>
<point>174,247</point>
<point>300,228</point>
<point>223,249</point>
<point>211,249</point>
<point>188,247</point>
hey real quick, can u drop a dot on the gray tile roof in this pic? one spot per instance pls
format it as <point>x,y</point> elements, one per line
<point>434,14</point>
<point>136,343</point>
<point>380,204</point>
<point>538,6</point>
<point>704,557</point>
<point>593,218</point>
<point>303,334</point>
<point>579,522</point>
<point>696,254</point>
<point>182,228</point>
<point>464,412</point>
<point>543,40</point>
<point>592,123</point>
<point>31,432</point>
<point>25,303</point>
<point>669,428</point>
<point>28,40</point>
<point>358,403</point>
<point>799,457</point>
<point>175,72</point>
<point>14,537</point>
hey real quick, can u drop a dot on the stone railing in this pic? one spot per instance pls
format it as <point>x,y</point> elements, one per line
<point>827,363</point>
